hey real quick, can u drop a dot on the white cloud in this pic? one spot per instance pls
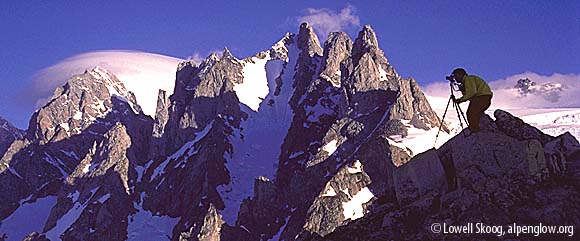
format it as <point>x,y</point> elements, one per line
<point>506,96</point>
<point>325,20</point>
<point>142,73</point>
<point>197,58</point>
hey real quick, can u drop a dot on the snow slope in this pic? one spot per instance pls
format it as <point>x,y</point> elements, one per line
<point>256,146</point>
<point>144,226</point>
<point>553,122</point>
<point>30,217</point>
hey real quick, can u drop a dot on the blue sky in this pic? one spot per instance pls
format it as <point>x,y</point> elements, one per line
<point>422,39</point>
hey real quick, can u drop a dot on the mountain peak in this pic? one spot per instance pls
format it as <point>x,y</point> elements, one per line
<point>99,72</point>
<point>7,126</point>
<point>8,133</point>
<point>366,39</point>
<point>187,63</point>
<point>80,102</point>
<point>226,53</point>
<point>279,49</point>
<point>338,134</point>
<point>308,40</point>
<point>336,49</point>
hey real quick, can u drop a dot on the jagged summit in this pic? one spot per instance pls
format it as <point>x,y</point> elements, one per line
<point>84,99</point>
<point>8,134</point>
<point>226,53</point>
<point>337,48</point>
<point>366,39</point>
<point>308,40</point>
<point>296,142</point>
<point>8,129</point>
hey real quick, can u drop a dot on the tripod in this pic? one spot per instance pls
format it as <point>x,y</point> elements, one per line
<point>460,114</point>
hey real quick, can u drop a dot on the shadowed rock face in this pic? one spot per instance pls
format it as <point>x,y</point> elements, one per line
<point>329,114</point>
<point>81,147</point>
<point>8,134</point>
<point>499,177</point>
<point>101,153</point>
<point>346,113</point>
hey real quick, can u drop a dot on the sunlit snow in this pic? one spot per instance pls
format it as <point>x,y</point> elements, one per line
<point>330,192</point>
<point>256,154</point>
<point>356,167</point>
<point>254,87</point>
<point>330,147</point>
<point>353,209</point>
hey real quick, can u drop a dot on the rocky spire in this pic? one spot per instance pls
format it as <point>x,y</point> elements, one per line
<point>8,133</point>
<point>226,53</point>
<point>367,43</point>
<point>342,155</point>
<point>308,41</point>
<point>161,117</point>
<point>336,49</point>
<point>366,39</point>
<point>413,105</point>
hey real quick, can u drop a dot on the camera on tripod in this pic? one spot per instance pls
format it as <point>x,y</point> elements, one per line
<point>454,84</point>
<point>450,78</point>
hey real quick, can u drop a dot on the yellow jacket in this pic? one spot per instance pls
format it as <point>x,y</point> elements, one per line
<point>474,86</point>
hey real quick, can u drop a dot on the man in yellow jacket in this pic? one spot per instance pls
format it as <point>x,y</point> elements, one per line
<point>476,90</point>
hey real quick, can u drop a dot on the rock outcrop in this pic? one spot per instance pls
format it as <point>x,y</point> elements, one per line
<point>499,176</point>
<point>8,134</point>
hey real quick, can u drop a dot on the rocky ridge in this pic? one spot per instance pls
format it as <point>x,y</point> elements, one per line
<point>495,177</point>
<point>81,147</point>
<point>8,134</point>
<point>298,142</point>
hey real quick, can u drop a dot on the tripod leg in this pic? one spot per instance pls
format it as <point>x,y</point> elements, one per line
<point>462,115</point>
<point>458,115</point>
<point>442,119</point>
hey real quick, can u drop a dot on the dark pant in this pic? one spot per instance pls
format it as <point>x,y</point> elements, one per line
<point>477,105</point>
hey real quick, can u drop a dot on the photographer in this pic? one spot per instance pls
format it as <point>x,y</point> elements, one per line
<point>476,90</point>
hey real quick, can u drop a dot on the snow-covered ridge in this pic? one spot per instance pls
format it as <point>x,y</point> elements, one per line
<point>255,86</point>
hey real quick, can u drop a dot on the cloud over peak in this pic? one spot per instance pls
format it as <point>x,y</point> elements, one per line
<point>325,20</point>
<point>142,73</point>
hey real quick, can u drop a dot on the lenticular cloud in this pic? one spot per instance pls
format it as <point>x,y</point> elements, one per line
<point>142,73</point>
